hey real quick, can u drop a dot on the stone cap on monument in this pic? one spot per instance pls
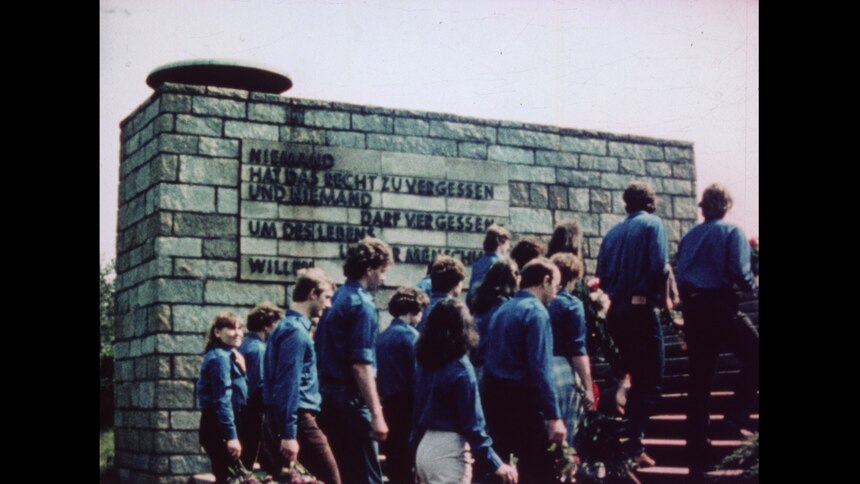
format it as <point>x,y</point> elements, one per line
<point>227,73</point>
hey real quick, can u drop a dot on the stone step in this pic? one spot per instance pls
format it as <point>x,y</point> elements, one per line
<point>672,452</point>
<point>681,475</point>
<point>722,381</point>
<point>676,403</point>
<point>675,426</point>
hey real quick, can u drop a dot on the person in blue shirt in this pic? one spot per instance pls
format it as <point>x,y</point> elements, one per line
<point>395,379</point>
<point>449,422</point>
<point>571,365</point>
<point>351,413</point>
<point>522,405</point>
<point>261,322</point>
<point>290,385</point>
<point>447,276</point>
<point>713,258</point>
<point>498,286</point>
<point>222,394</point>
<point>632,267</point>
<point>424,284</point>
<point>497,241</point>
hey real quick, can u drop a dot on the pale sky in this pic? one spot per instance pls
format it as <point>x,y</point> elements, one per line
<point>674,69</point>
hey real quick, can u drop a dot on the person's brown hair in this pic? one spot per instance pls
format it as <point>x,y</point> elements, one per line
<point>446,273</point>
<point>567,237</point>
<point>499,284</point>
<point>263,315</point>
<point>368,253</point>
<point>640,195</point>
<point>534,272</point>
<point>310,280</point>
<point>716,202</point>
<point>527,249</point>
<point>407,300</point>
<point>222,320</point>
<point>569,266</point>
<point>448,334</point>
<point>496,236</point>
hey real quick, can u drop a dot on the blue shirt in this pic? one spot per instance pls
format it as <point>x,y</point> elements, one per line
<point>714,255</point>
<point>568,325</point>
<point>632,259</point>
<point>395,354</point>
<point>222,385</point>
<point>482,321</point>
<point>479,271</point>
<point>290,373</point>
<point>425,284</point>
<point>435,297</point>
<point>253,349</point>
<point>446,399</point>
<point>346,335</point>
<point>520,348</point>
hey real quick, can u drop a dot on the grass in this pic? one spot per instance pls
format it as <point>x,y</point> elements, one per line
<point>107,471</point>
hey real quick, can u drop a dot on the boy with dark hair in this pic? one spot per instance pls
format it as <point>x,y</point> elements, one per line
<point>527,248</point>
<point>351,414</point>
<point>290,383</point>
<point>262,320</point>
<point>713,257</point>
<point>395,352</point>
<point>522,405</point>
<point>446,278</point>
<point>632,267</point>
<point>496,245</point>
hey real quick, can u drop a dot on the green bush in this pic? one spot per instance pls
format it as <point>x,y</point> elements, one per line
<point>106,338</point>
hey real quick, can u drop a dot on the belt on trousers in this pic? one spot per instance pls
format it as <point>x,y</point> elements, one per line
<point>638,300</point>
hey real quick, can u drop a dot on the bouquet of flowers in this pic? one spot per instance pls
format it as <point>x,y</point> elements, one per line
<point>598,441</point>
<point>598,342</point>
<point>565,461</point>
<point>238,474</point>
<point>296,474</point>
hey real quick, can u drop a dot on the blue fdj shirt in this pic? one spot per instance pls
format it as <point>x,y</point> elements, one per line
<point>425,284</point>
<point>253,349</point>
<point>714,255</point>
<point>479,271</point>
<point>446,399</point>
<point>520,348</point>
<point>568,325</point>
<point>395,355</point>
<point>435,297</point>
<point>482,322</point>
<point>346,335</point>
<point>632,258</point>
<point>290,374</point>
<point>222,385</point>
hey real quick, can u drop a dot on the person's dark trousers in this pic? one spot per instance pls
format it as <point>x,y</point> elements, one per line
<point>517,427</point>
<point>711,322</point>
<point>636,330</point>
<point>399,455</point>
<point>250,432</point>
<point>345,420</point>
<point>314,451</point>
<point>215,445</point>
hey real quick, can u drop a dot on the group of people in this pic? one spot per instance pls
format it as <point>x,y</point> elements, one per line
<point>454,391</point>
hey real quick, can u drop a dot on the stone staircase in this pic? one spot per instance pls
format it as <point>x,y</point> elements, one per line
<point>665,435</point>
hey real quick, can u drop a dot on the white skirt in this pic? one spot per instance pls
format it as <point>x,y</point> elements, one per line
<point>444,458</point>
